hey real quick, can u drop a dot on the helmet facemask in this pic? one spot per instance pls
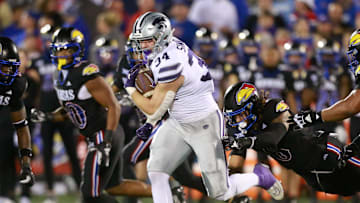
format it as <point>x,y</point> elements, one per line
<point>65,61</point>
<point>8,71</point>
<point>242,119</point>
<point>242,105</point>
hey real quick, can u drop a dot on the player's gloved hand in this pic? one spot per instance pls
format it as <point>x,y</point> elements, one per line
<point>38,116</point>
<point>144,131</point>
<point>305,119</point>
<point>124,99</point>
<point>243,143</point>
<point>130,82</point>
<point>227,141</point>
<point>103,152</point>
<point>103,149</point>
<point>26,175</point>
<point>353,149</point>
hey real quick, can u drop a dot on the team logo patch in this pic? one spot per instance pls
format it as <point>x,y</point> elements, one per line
<point>77,35</point>
<point>281,107</point>
<point>90,69</point>
<point>244,93</point>
<point>283,155</point>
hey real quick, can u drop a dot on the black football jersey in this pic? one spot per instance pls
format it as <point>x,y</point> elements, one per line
<point>301,151</point>
<point>84,111</point>
<point>11,96</point>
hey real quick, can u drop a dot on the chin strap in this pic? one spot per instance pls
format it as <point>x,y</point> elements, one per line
<point>164,106</point>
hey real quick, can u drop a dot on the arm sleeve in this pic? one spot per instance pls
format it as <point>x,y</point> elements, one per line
<point>269,139</point>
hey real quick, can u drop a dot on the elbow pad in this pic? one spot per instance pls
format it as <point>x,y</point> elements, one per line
<point>269,139</point>
<point>164,106</point>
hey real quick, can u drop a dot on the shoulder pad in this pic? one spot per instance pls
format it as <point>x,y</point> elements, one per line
<point>281,107</point>
<point>90,69</point>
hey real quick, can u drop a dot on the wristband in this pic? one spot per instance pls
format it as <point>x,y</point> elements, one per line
<point>25,152</point>
<point>20,124</point>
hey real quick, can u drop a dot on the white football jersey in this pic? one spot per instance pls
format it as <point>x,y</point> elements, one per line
<point>193,100</point>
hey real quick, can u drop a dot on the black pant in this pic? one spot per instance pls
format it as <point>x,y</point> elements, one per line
<point>97,177</point>
<point>344,181</point>
<point>66,130</point>
<point>7,163</point>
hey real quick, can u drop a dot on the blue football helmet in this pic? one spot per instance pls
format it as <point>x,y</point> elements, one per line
<point>9,61</point>
<point>241,106</point>
<point>67,38</point>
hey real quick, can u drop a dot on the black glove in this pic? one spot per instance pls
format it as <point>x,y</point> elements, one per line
<point>227,141</point>
<point>144,131</point>
<point>38,116</point>
<point>243,143</point>
<point>304,119</point>
<point>353,149</point>
<point>124,99</point>
<point>26,175</point>
<point>103,149</point>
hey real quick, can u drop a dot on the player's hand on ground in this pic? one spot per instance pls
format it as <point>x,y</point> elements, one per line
<point>26,175</point>
<point>144,131</point>
<point>304,119</point>
<point>37,115</point>
<point>103,152</point>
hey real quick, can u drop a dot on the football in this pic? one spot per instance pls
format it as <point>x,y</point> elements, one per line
<point>144,82</point>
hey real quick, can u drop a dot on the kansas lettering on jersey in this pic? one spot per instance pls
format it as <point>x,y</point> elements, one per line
<point>11,96</point>
<point>83,110</point>
<point>194,98</point>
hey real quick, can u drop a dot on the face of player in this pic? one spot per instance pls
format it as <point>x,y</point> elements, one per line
<point>65,54</point>
<point>242,117</point>
<point>147,44</point>
<point>5,69</point>
<point>7,72</point>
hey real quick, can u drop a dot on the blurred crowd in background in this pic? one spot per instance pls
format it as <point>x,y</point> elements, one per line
<point>294,49</point>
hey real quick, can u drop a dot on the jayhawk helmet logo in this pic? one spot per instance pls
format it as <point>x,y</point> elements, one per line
<point>244,93</point>
<point>281,107</point>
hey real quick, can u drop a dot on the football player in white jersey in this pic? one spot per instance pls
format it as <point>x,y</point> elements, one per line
<point>184,88</point>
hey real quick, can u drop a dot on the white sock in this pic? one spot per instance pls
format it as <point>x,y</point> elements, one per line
<point>239,183</point>
<point>243,182</point>
<point>160,187</point>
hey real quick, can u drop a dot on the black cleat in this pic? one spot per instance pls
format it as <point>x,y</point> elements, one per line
<point>178,194</point>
